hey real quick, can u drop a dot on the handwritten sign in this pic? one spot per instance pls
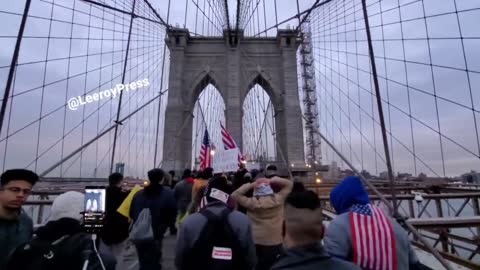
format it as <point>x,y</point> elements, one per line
<point>226,161</point>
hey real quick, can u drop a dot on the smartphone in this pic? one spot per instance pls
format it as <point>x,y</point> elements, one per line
<point>94,208</point>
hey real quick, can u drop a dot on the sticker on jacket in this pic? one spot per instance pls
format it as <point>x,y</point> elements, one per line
<point>222,253</point>
<point>219,195</point>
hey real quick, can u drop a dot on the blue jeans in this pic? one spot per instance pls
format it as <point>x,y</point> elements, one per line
<point>150,255</point>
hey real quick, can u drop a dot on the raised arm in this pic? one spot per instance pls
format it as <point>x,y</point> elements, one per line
<point>240,197</point>
<point>286,185</point>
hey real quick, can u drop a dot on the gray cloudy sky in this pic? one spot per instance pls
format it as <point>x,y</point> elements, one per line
<point>102,37</point>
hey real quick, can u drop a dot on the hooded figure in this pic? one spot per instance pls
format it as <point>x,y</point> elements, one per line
<point>348,234</point>
<point>349,192</point>
<point>69,246</point>
<point>265,209</point>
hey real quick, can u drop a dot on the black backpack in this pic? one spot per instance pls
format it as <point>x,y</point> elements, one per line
<point>217,247</point>
<point>68,252</point>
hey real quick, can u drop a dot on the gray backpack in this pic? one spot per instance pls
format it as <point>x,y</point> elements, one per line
<point>141,230</point>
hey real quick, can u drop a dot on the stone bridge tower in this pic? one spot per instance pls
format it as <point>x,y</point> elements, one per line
<point>233,70</point>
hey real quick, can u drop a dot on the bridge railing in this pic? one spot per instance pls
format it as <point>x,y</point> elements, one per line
<point>450,221</point>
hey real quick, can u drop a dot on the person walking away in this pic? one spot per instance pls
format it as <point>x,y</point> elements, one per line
<point>115,231</point>
<point>303,232</point>
<point>201,181</point>
<point>160,201</point>
<point>183,193</point>
<point>168,181</point>
<point>217,237</point>
<point>15,225</point>
<point>265,210</point>
<point>360,225</point>
<point>61,242</point>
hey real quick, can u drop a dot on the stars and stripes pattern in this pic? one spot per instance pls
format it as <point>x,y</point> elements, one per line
<point>373,238</point>
<point>229,143</point>
<point>205,157</point>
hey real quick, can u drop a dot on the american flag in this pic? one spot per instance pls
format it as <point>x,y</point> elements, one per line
<point>205,157</point>
<point>229,143</point>
<point>373,238</point>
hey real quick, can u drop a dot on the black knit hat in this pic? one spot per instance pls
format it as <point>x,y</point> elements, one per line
<point>218,183</point>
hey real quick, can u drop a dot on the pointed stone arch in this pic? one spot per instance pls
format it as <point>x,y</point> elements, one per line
<point>266,84</point>
<point>194,61</point>
<point>200,82</point>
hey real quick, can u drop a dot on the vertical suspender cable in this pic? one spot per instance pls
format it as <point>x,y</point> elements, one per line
<point>16,52</point>
<point>121,93</point>
<point>161,87</point>
<point>380,109</point>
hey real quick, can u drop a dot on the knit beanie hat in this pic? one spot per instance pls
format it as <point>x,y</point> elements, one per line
<point>68,205</point>
<point>218,189</point>
<point>262,188</point>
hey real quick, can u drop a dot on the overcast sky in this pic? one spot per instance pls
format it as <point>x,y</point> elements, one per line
<point>345,114</point>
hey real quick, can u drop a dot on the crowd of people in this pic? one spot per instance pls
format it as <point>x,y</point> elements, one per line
<point>247,220</point>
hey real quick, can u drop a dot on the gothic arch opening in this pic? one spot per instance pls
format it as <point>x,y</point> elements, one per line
<point>259,141</point>
<point>208,112</point>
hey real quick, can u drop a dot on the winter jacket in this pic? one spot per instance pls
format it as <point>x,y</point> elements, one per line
<point>76,247</point>
<point>338,237</point>
<point>183,194</point>
<point>311,257</point>
<point>116,225</point>
<point>162,206</point>
<point>12,234</point>
<point>265,212</point>
<point>192,227</point>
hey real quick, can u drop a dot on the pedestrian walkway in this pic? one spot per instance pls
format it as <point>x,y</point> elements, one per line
<point>168,263</point>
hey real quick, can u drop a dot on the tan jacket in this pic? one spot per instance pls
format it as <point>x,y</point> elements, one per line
<point>265,212</point>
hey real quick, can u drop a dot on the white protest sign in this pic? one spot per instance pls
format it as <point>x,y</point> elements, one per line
<point>226,161</point>
<point>252,166</point>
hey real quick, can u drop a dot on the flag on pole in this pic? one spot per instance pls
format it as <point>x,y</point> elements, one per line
<point>205,157</point>
<point>373,238</point>
<point>229,143</point>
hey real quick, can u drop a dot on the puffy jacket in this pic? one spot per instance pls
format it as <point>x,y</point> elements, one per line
<point>265,212</point>
<point>311,257</point>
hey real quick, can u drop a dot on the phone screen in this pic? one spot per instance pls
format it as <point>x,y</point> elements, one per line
<point>94,212</point>
<point>95,198</point>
